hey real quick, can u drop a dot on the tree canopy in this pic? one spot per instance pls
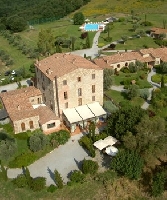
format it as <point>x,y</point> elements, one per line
<point>78,18</point>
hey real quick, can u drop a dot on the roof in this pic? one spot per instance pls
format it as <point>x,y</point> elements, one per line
<point>46,114</point>
<point>108,141</point>
<point>3,114</point>
<point>96,109</point>
<point>17,104</point>
<point>107,61</point>
<point>72,115</point>
<point>159,30</point>
<point>83,112</point>
<point>59,64</point>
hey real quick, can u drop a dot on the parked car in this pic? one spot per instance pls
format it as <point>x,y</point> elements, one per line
<point>3,91</point>
<point>7,73</point>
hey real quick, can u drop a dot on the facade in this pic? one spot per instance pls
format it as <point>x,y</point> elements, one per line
<point>67,81</point>
<point>149,56</point>
<point>24,110</point>
<point>157,32</point>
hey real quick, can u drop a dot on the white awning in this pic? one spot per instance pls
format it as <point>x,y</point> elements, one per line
<point>96,109</point>
<point>72,115</point>
<point>112,151</point>
<point>108,141</point>
<point>100,144</point>
<point>85,112</point>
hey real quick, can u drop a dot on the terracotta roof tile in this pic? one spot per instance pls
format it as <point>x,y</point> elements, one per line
<point>59,64</point>
<point>17,102</point>
<point>45,114</point>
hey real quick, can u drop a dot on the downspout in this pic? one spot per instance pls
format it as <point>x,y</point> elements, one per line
<point>57,96</point>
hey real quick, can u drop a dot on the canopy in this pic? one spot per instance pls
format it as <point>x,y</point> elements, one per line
<point>96,109</point>
<point>72,115</point>
<point>108,141</point>
<point>84,112</point>
<point>100,144</point>
<point>112,151</point>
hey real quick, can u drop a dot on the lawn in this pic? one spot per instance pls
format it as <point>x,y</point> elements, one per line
<point>118,80</point>
<point>157,78</point>
<point>19,59</point>
<point>121,97</point>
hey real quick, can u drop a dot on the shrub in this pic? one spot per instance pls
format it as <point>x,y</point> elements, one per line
<point>38,183</point>
<point>89,167</point>
<point>87,143</point>
<point>112,46</point>
<point>22,136</point>
<point>52,188</point>
<point>77,177</point>
<point>58,179</point>
<point>38,141</point>
<point>124,70</point>
<point>84,35</point>
<point>101,135</point>
<point>23,160</point>
<point>158,184</point>
<point>110,107</point>
<point>144,93</point>
<point>106,176</point>
<point>20,181</point>
<point>61,136</point>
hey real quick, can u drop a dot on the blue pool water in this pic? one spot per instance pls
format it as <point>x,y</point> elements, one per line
<point>94,27</point>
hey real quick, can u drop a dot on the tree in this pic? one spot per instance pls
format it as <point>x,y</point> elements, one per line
<point>107,78</point>
<point>87,41</point>
<point>58,179</point>
<point>133,91</point>
<point>128,163</point>
<point>92,128</point>
<point>38,183</point>
<point>78,18</point>
<point>89,167</point>
<point>124,38</point>
<point>38,141</point>
<point>132,67</point>
<point>163,67</point>
<point>77,176</point>
<point>108,28</point>
<point>3,172</point>
<point>16,23</point>
<point>8,148</point>
<point>73,39</point>
<point>124,120</point>
<point>45,41</point>
<point>162,82</point>
<point>20,181</point>
<point>158,184</point>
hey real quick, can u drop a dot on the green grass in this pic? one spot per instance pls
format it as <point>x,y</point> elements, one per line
<point>87,190</point>
<point>157,78</point>
<point>121,96</point>
<point>19,59</point>
<point>118,80</point>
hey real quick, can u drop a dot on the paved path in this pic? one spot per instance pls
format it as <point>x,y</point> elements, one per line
<point>146,104</point>
<point>14,85</point>
<point>65,159</point>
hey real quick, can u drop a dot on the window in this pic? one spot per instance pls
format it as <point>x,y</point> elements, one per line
<point>80,92</point>
<point>79,101</point>
<point>93,88</point>
<point>31,124</point>
<point>65,95</point>
<point>93,76</point>
<point>126,64</point>
<point>23,127</point>
<point>51,125</point>
<point>79,79</point>
<point>93,98</point>
<point>64,82</point>
<point>66,105</point>
<point>39,100</point>
<point>118,65</point>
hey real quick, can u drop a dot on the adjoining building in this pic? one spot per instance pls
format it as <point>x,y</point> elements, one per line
<point>148,56</point>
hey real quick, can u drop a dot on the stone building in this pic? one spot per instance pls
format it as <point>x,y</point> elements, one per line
<point>67,81</point>
<point>148,56</point>
<point>26,110</point>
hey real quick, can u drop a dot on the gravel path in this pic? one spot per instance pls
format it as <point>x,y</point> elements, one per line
<point>65,159</point>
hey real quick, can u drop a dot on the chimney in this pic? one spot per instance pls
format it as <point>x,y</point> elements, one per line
<point>73,60</point>
<point>49,71</point>
<point>18,107</point>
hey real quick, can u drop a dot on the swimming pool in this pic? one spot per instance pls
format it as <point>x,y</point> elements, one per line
<point>91,27</point>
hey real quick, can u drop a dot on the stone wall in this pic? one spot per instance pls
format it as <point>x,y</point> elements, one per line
<point>85,84</point>
<point>18,127</point>
<point>122,64</point>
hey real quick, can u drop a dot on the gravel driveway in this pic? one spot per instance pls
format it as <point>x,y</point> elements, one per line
<point>65,159</point>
